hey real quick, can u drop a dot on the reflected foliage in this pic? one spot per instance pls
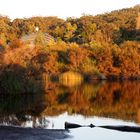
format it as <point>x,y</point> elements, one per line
<point>18,109</point>
<point>117,100</point>
<point>110,99</point>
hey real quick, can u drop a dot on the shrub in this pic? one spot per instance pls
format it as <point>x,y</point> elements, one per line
<point>70,78</point>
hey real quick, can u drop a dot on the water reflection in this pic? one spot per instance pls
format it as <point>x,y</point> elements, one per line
<point>14,110</point>
<point>117,100</point>
<point>106,99</point>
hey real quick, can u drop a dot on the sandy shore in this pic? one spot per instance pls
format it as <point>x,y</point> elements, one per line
<point>18,133</point>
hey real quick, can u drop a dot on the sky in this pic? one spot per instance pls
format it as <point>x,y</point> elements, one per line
<point>60,8</point>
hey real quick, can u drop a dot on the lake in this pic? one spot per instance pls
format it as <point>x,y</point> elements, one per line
<point>99,103</point>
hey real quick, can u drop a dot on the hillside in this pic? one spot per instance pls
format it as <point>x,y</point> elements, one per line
<point>103,46</point>
<point>120,24</point>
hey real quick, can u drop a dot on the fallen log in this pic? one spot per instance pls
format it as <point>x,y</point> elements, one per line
<point>122,128</point>
<point>74,125</point>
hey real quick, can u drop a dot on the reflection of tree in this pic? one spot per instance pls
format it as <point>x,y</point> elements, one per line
<point>17,109</point>
<point>118,100</point>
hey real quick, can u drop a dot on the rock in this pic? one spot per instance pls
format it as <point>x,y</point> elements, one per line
<point>18,133</point>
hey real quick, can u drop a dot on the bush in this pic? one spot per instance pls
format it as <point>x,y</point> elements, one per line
<point>70,78</point>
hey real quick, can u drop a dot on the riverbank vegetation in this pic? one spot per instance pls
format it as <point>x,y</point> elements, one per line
<point>98,47</point>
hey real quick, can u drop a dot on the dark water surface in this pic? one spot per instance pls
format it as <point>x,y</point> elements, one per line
<point>99,103</point>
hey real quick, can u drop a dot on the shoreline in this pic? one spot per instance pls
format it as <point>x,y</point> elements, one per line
<point>11,132</point>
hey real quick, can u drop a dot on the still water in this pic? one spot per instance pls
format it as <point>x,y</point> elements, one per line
<point>99,103</point>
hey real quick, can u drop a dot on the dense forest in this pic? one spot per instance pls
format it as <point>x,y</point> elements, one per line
<point>104,46</point>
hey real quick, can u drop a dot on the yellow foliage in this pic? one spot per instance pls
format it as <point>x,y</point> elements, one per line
<point>70,79</point>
